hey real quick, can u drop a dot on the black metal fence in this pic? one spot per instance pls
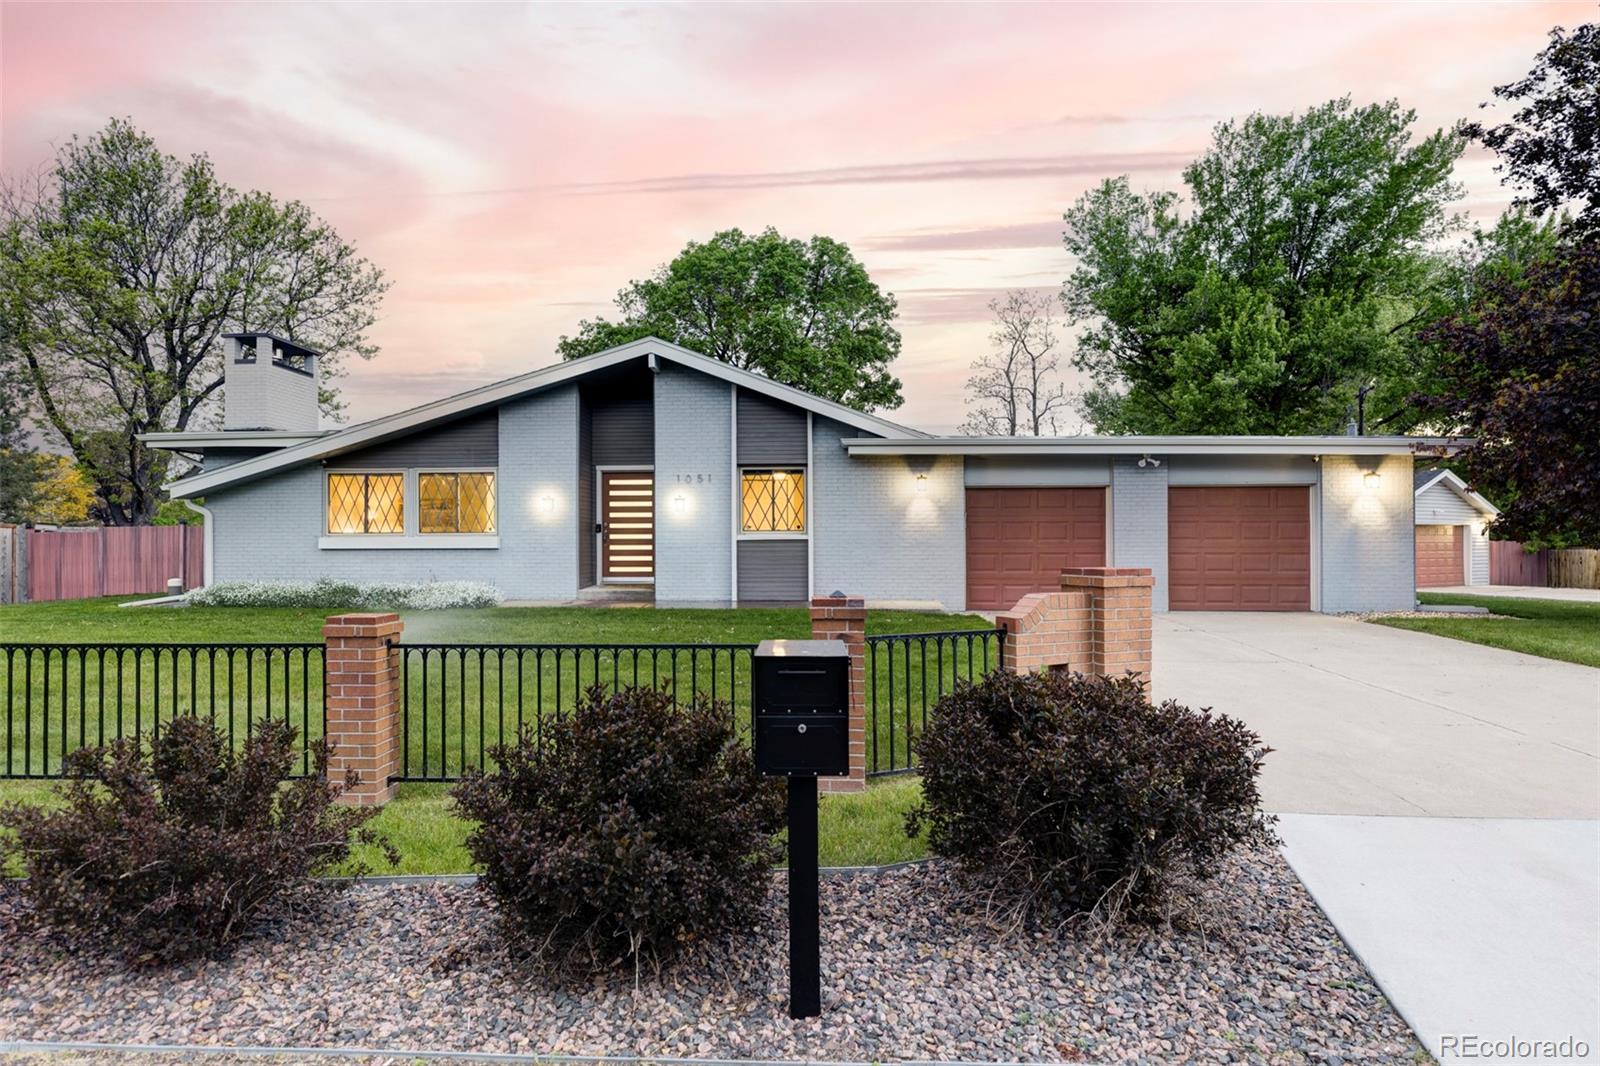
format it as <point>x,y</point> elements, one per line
<point>460,700</point>
<point>463,699</point>
<point>57,698</point>
<point>907,674</point>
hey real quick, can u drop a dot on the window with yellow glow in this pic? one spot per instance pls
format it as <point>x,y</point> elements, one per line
<point>774,501</point>
<point>366,503</point>
<point>455,503</point>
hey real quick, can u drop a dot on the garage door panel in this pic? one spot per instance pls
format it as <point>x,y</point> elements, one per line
<point>1239,548</point>
<point>1019,540</point>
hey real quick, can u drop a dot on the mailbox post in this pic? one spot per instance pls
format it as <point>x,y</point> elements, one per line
<point>800,694</point>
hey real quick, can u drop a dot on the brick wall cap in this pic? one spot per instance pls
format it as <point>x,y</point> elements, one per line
<point>1107,571</point>
<point>362,618</point>
<point>838,601</point>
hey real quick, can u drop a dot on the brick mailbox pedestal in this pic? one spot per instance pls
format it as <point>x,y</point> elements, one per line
<point>363,697</point>
<point>1099,623</point>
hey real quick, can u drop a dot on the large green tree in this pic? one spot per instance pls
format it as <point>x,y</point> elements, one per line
<point>22,468</point>
<point>805,313</point>
<point>119,270</point>
<point>1290,282</point>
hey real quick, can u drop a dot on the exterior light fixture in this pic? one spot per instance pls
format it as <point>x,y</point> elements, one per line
<point>922,483</point>
<point>680,504</point>
<point>547,504</point>
<point>1369,481</point>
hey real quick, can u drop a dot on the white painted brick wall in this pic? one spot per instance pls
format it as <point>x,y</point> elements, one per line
<point>875,535</point>
<point>268,530</point>
<point>1368,536</point>
<point>694,440</point>
<point>1139,520</point>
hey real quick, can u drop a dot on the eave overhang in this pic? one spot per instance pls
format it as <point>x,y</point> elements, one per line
<point>1153,445</point>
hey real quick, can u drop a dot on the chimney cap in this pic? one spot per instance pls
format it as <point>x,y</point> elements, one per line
<point>289,347</point>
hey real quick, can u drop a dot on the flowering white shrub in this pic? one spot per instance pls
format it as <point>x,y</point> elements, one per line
<point>327,593</point>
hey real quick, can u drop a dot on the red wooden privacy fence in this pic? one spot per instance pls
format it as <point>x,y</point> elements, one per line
<point>1509,564</point>
<point>70,564</point>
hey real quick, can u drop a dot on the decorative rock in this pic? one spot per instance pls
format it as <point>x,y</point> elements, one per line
<point>911,969</point>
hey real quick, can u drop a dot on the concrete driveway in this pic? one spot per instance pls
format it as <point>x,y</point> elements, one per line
<point>1439,802</point>
<point>1371,720</point>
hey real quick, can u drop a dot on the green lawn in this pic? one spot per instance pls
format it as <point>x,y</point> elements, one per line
<point>866,829</point>
<point>101,620</point>
<point>461,700</point>
<point>1553,629</point>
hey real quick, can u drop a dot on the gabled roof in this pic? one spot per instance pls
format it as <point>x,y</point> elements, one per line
<point>452,407</point>
<point>1423,480</point>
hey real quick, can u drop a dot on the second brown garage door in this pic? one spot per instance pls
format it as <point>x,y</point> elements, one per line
<point>1239,549</point>
<point>1439,559</point>
<point>1018,541</point>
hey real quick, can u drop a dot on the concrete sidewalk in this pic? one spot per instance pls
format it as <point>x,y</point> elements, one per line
<point>1486,928</point>
<point>1521,592</point>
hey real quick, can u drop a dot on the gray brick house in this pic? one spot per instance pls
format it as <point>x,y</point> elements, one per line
<point>652,468</point>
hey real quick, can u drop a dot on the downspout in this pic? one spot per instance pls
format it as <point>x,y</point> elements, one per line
<point>208,538</point>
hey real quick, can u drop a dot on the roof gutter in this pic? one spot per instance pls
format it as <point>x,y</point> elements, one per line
<point>1185,445</point>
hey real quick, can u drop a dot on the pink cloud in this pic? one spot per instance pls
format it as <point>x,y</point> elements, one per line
<point>511,167</point>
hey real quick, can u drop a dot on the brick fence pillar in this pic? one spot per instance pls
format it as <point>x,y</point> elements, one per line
<point>363,700</point>
<point>1099,623</point>
<point>845,618</point>
<point>1119,617</point>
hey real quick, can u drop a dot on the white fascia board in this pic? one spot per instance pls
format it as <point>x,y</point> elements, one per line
<point>1060,446</point>
<point>1453,482</point>
<point>787,393</point>
<point>380,429</point>
<point>229,439</point>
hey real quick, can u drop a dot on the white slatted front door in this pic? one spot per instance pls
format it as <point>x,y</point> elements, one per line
<point>628,520</point>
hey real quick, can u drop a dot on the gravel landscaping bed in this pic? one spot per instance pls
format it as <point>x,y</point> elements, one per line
<point>910,972</point>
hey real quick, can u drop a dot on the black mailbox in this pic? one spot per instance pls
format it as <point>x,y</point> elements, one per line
<point>800,690</point>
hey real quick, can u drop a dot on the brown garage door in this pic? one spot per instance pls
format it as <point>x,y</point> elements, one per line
<point>1018,540</point>
<point>1439,556</point>
<point>1239,549</point>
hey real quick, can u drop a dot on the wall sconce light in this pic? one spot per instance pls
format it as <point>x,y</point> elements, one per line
<point>1369,481</point>
<point>547,504</point>
<point>922,484</point>
<point>680,504</point>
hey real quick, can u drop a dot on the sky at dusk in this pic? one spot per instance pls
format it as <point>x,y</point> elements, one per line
<point>511,166</point>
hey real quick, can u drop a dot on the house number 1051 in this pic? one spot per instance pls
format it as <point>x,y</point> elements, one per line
<point>691,479</point>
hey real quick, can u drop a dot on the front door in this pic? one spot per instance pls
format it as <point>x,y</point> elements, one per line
<point>627,526</point>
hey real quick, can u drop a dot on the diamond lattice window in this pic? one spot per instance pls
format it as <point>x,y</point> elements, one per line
<point>774,501</point>
<point>366,503</point>
<point>456,503</point>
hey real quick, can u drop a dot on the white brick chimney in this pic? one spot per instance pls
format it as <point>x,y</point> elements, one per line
<point>268,383</point>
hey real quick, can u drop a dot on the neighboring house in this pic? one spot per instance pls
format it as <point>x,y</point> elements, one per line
<point>652,466</point>
<point>1452,531</point>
